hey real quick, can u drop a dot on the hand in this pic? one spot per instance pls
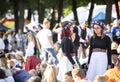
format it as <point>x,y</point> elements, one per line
<point>87,65</point>
<point>85,41</point>
<point>75,66</point>
<point>57,24</point>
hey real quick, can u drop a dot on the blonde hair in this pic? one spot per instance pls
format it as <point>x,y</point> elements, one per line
<point>50,74</point>
<point>14,70</point>
<point>34,79</point>
<point>118,49</point>
<point>115,22</point>
<point>114,45</point>
<point>43,64</point>
<point>100,78</point>
<point>78,72</point>
<point>45,21</point>
<point>33,72</point>
<point>3,61</point>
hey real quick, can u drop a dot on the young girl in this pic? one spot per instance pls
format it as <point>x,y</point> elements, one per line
<point>67,61</point>
<point>100,52</point>
<point>32,60</point>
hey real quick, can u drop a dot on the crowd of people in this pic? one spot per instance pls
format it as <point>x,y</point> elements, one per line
<point>81,53</point>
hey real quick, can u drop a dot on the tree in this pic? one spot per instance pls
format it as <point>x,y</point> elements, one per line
<point>29,14</point>
<point>16,17</point>
<point>31,6</point>
<point>21,14</point>
<point>41,11</point>
<point>90,12</point>
<point>117,8</point>
<point>108,11</point>
<point>74,7</point>
<point>4,5</point>
<point>60,9</point>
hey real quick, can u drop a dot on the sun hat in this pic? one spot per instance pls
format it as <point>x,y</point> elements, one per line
<point>101,24</point>
<point>67,24</point>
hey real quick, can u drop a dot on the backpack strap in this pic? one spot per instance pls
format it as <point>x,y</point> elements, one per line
<point>79,30</point>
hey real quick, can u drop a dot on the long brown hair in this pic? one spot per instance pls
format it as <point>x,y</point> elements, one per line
<point>66,33</point>
<point>66,29</point>
<point>31,35</point>
<point>3,61</point>
<point>102,33</point>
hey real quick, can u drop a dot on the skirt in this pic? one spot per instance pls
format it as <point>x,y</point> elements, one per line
<point>31,62</point>
<point>64,66</point>
<point>98,65</point>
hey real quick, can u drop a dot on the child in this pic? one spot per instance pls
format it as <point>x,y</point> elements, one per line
<point>79,75</point>
<point>68,77</point>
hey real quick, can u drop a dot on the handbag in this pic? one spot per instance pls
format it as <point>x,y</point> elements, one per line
<point>85,45</point>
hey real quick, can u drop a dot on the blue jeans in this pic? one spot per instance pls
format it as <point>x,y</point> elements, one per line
<point>52,52</point>
<point>77,60</point>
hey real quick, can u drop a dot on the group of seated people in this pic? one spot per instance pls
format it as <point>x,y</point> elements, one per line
<point>44,72</point>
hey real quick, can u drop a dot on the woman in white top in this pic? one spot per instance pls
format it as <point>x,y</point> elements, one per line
<point>2,45</point>
<point>32,60</point>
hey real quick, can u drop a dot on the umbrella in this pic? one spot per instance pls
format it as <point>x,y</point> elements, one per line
<point>9,24</point>
<point>3,28</point>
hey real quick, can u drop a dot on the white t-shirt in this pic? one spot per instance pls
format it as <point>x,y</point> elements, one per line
<point>88,33</point>
<point>8,79</point>
<point>2,45</point>
<point>59,31</point>
<point>9,38</point>
<point>43,38</point>
<point>7,71</point>
<point>30,49</point>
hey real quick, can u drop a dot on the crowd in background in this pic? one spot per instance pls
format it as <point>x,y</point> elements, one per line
<point>79,53</point>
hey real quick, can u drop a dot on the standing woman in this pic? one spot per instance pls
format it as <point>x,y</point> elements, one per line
<point>99,54</point>
<point>67,62</point>
<point>32,60</point>
<point>67,44</point>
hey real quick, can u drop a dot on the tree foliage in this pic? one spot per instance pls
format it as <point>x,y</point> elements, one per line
<point>4,6</point>
<point>42,5</point>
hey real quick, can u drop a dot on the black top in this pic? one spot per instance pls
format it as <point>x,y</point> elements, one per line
<point>83,33</point>
<point>102,43</point>
<point>77,37</point>
<point>67,48</point>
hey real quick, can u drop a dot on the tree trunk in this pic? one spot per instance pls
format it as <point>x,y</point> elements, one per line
<point>29,14</point>
<point>15,6</point>
<point>90,12</point>
<point>108,12</point>
<point>74,7</point>
<point>117,8</point>
<point>60,9</point>
<point>41,10</point>
<point>21,14</point>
